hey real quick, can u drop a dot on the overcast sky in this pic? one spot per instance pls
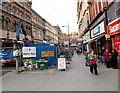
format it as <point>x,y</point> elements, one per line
<point>61,12</point>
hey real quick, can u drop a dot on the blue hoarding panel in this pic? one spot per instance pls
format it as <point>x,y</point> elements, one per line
<point>42,50</point>
<point>6,54</point>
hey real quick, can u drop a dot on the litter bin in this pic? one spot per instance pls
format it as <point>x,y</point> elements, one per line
<point>42,64</point>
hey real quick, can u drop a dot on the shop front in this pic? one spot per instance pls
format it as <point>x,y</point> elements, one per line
<point>114,32</point>
<point>86,40</point>
<point>98,38</point>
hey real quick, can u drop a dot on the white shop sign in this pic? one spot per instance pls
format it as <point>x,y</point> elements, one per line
<point>98,30</point>
<point>29,52</point>
<point>61,63</point>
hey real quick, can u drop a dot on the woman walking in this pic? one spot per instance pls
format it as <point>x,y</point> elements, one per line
<point>107,58</point>
<point>114,60</point>
<point>94,63</point>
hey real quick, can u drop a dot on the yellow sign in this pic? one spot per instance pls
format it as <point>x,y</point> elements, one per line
<point>107,36</point>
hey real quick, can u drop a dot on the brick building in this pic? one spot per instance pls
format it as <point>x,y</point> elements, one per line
<point>12,13</point>
<point>97,27</point>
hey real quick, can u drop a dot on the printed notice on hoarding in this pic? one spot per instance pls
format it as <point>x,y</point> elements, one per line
<point>29,52</point>
<point>61,63</point>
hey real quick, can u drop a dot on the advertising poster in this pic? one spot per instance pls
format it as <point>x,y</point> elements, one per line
<point>61,63</point>
<point>117,44</point>
<point>29,52</point>
<point>47,53</point>
<point>35,63</point>
<point>30,64</point>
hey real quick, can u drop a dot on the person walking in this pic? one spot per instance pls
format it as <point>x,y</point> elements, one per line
<point>94,62</point>
<point>78,51</point>
<point>102,57</point>
<point>106,54</point>
<point>113,59</point>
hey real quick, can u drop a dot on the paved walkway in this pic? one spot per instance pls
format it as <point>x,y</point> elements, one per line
<point>76,78</point>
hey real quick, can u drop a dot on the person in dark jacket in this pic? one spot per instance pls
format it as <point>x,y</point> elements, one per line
<point>107,58</point>
<point>114,60</point>
<point>103,58</point>
<point>78,51</point>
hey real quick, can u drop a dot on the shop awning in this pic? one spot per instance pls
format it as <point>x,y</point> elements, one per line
<point>96,38</point>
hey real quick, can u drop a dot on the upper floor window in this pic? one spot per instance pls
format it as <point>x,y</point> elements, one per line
<point>14,26</point>
<point>14,10</point>
<point>2,22</point>
<point>7,23</point>
<point>3,3</point>
<point>29,28</point>
<point>7,7</point>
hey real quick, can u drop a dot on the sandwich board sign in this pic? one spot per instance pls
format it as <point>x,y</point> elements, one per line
<point>61,63</point>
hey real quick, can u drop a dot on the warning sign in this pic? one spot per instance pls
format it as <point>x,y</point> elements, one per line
<point>47,53</point>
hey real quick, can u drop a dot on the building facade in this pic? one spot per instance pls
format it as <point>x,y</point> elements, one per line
<point>83,22</point>
<point>12,13</point>
<point>66,39</point>
<point>96,28</point>
<point>74,37</point>
<point>38,27</point>
<point>51,34</point>
<point>60,34</point>
<point>83,16</point>
<point>113,26</point>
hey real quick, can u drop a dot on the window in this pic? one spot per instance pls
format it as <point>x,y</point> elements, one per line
<point>7,7</point>
<point>14,10</point>
<point>14,26</point>
<point>7,23</point>
<point>118,10</point>
<point>39,33</point>
<point>2,22</point>
<point>3,3</point>
<point>29,30</point>
<point>35,32</point>
<point>22,15</point>
<point>18,13</point>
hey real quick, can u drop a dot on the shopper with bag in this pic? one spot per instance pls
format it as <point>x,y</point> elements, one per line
<point>93,62</point>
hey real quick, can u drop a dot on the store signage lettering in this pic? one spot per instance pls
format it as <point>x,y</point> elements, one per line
<point>86,37</point>
<point>114,27</point>
<point>98,30</point>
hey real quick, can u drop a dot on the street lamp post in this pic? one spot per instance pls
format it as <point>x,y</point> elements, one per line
<point>68,36</point>
<point>68,44</point>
